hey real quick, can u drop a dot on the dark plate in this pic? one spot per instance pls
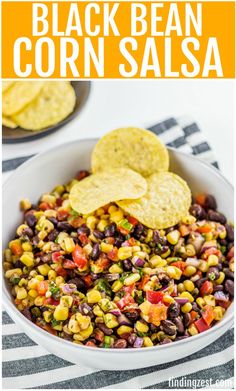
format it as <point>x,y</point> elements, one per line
<point>19,135</point>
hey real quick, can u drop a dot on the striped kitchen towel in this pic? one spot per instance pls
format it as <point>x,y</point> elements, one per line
<point>27,365</point>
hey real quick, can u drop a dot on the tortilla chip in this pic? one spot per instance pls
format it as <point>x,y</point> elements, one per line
<point>6,85</point>
<point>6,121</point>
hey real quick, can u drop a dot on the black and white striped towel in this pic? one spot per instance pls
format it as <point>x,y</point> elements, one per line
<point>27,365</point>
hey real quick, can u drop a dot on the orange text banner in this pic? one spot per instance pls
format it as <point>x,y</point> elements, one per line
<point>152,39</point>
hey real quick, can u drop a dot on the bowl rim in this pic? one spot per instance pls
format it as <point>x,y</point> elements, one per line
<point>46,335</point>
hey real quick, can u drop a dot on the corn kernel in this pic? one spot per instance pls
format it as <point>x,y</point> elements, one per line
<point>52,274</point>
<point>141,327</point>
<point>189,219</point>
<point>200,302</point>
<point>132,279</point>
<point>115,269</point>
<point>47,315</point>
<point>187,295</point>
<point>61,313</point>
<point>27,247</point>
<point>33,293</point>
<point>66,301</point>
<point>190,250</point>
<point>218,312</point>
<point>11,272</point>
<point>112,209</point>
<point>23,282</point>
<point>180,287</point>
<point>192,330</point>
<point>110,321</point>
<point>91,222</point>
<point>44,269</point>
<point>84,334</point>
<point>124,252</point>
<point>149,236</point>
<point>116,286</point>
<point>102,225</point>
<point>93,296</point>
<point>187,307</point>
<point>69,245</point>
<point>73,326</point>
<point>107,305</point>
<point>189,285</point>
<point>39,300</point>
<point>39,277</point>
<point>105,247</point>
<point>173,237</point>
<point>21,228</point>
<point>223,234</point>
<point>83,321</point>
<point>166,254</point>
<point>203,266</point>
<point>97,311</point>
<point>210,300</point>
<point>145,307</point>
<point>59,280</point>
<point>117,216</point>
<point>124,330</point>
<point>21,293</point>
<point>25,204</point>
<point>49,198</point>
<point>147,342</point>
<point>44,224</point>
<point>189,271</point>
<point>220,279</point>
<point>212,260</point>
<point>157,261</point>
<point>100,211</point>
<point>168,299</point>
<point>27,258</point>
<point>173,272</point>
<point>7,255</point>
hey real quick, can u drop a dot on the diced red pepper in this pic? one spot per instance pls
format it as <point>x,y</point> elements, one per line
<point>42,287</point>
<point>68,264</point>
<point>110,240</point>
<point>200,199</point>
<point>62,215</point>
<point>16,249</point>
<point>154,297</point>
<point>103,262</point>
<point>79,257</point>
<point>180,265</point>
<point>45,206</point>
<point>184,230</point>
<point>61,271</point>
<point>132,220</point>
<point>87,279</point>
<point>126,300</point>
<point>129,289</point>
<point>201,325</point>
<point>122,230</point>
<point>113,254</point>
<point>208,314</point>
<point>230,253</point>
<point>57,257</point>
<point>144,281</point>
<point>91,344</point>
<point>51,301</point>
<point>76,222</point>
<point>59,201</point>
<point>194,315</point>
<point>83,239</point>
<point>204,229</point>
<point>206,288</point>
<point>210,251</point>
<point>157,313</point>
<point>81,175</point>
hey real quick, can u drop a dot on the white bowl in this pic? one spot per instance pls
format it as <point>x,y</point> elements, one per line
<point>58,165</point>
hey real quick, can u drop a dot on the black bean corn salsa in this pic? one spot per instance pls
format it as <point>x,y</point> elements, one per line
<point>105,280</point>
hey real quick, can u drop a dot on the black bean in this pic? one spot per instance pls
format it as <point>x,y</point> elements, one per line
<point>120,344</point>
<point>197,211</point>
<point>95,252</point>
<point>186,319</point>
<point>104,329</point>
<point>223,242</point>
<point>28,232</point>
<point>63,226</point>
<point>181,337</point>
<point>200,282</point>
<point>127,264</point>
<point>230,232</point>
<point>228,273</point>
<point>53,235</point>
<point>131,338</point>
<point>110,230</point>
<point>35,240</point>
<point>168,327</point>
<point>98,234</point>
<point>210,202</point>
<point>165,341</point>
<point>26,312</point>
<point>179,324</point>
<point>132,314</point>
<point>94,276</point>
<point>53,220</point>
<point>163,278</point>
<point>218,288</point>
<point>229,287</point>
<point>19,264</point>
<point>157,238</point>
<point>79,283</point>
<point>83,230</point>
<point>196,308</point>
<point>213,273</point>
<point>118,241</point>
<point>173,310</point>
<point>138,231</point>
<point>216,216</point>
<point>30,219</point>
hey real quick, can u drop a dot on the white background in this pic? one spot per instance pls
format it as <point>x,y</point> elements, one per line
<point>144,102</point>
